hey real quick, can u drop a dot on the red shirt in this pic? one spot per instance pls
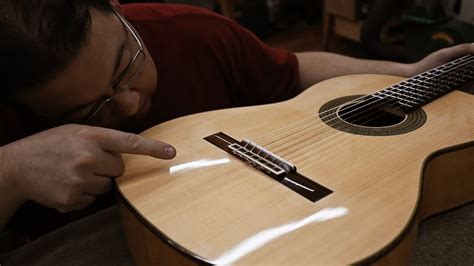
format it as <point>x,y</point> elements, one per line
<point>204,61</point>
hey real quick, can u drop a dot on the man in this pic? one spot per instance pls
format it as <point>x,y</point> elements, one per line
<point>72,70</point>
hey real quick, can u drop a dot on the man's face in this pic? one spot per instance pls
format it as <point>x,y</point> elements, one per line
<point>74,92</point>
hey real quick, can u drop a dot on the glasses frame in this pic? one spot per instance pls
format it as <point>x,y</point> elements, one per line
<point>98,107</point>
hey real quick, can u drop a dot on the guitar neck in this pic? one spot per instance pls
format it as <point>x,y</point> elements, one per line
<point>428,86</point>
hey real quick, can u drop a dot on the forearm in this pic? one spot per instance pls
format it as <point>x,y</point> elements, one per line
<point>317,66</point>
<point>9,200</point>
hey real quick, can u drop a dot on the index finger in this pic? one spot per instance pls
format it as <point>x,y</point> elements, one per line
<point>122,142</point>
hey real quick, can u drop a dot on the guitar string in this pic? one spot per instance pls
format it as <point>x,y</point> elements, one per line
<point>272,134</point>
<point>355,122</point>
<point>293,134</point>
<point>322,138</point>
<point>323,148</point>
<point>427,80</point>
<point>326,150</point>
<point>326,143</point>
<point>295,148</point>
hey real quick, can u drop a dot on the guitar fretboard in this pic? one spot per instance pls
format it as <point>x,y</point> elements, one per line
<point>426,87</point>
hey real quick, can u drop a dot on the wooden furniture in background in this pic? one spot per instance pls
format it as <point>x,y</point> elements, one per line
<point>341,17</point>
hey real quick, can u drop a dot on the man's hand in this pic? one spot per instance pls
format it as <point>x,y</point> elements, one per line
<point>68,166</point>
<point>440,57</point>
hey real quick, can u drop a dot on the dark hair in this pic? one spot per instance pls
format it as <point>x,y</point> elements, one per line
<point>40,37</point>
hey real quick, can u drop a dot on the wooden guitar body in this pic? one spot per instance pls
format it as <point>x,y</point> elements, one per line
<point>209,206</point>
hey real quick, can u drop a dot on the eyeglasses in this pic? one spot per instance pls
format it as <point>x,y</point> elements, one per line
<point>125,79</point>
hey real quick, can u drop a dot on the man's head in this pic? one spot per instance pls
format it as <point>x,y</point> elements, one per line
<point>62,59</point>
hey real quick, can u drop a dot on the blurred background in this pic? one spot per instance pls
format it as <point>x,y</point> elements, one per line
<point>403,30</point>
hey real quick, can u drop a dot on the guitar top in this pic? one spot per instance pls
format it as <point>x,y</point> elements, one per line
<point>333,176</point>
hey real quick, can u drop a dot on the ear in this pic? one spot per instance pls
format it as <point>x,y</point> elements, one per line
<point>117,7</point>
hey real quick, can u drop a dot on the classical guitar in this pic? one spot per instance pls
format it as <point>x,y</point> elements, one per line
<point>342,173</point>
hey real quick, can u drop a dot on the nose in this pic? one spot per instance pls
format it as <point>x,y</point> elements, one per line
<point>126,103</point>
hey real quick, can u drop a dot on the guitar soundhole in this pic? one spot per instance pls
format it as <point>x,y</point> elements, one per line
<point>364,118</point>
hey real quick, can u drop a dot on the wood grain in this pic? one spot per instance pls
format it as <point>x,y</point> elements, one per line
<point>229,213</point>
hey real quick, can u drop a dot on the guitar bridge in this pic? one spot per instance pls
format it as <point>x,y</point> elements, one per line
<point>260,157</point>
<point>270,164</point>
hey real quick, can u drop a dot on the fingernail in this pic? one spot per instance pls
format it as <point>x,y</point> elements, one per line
<point>170,151</point>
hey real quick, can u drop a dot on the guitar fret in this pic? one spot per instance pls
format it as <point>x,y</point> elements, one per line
<point>403,97</point>
<point>409,93</point>
<point>413,89</point>
<point>384,96</point>
<point>448,84</point>
<point>465,75</point>
<point>448,79</point>
<point>425,93</point>
<point>419,82</point>
<point>449,67</point>
<point>399,97</point>
<point>428,86</point>
<point>431,84</point>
